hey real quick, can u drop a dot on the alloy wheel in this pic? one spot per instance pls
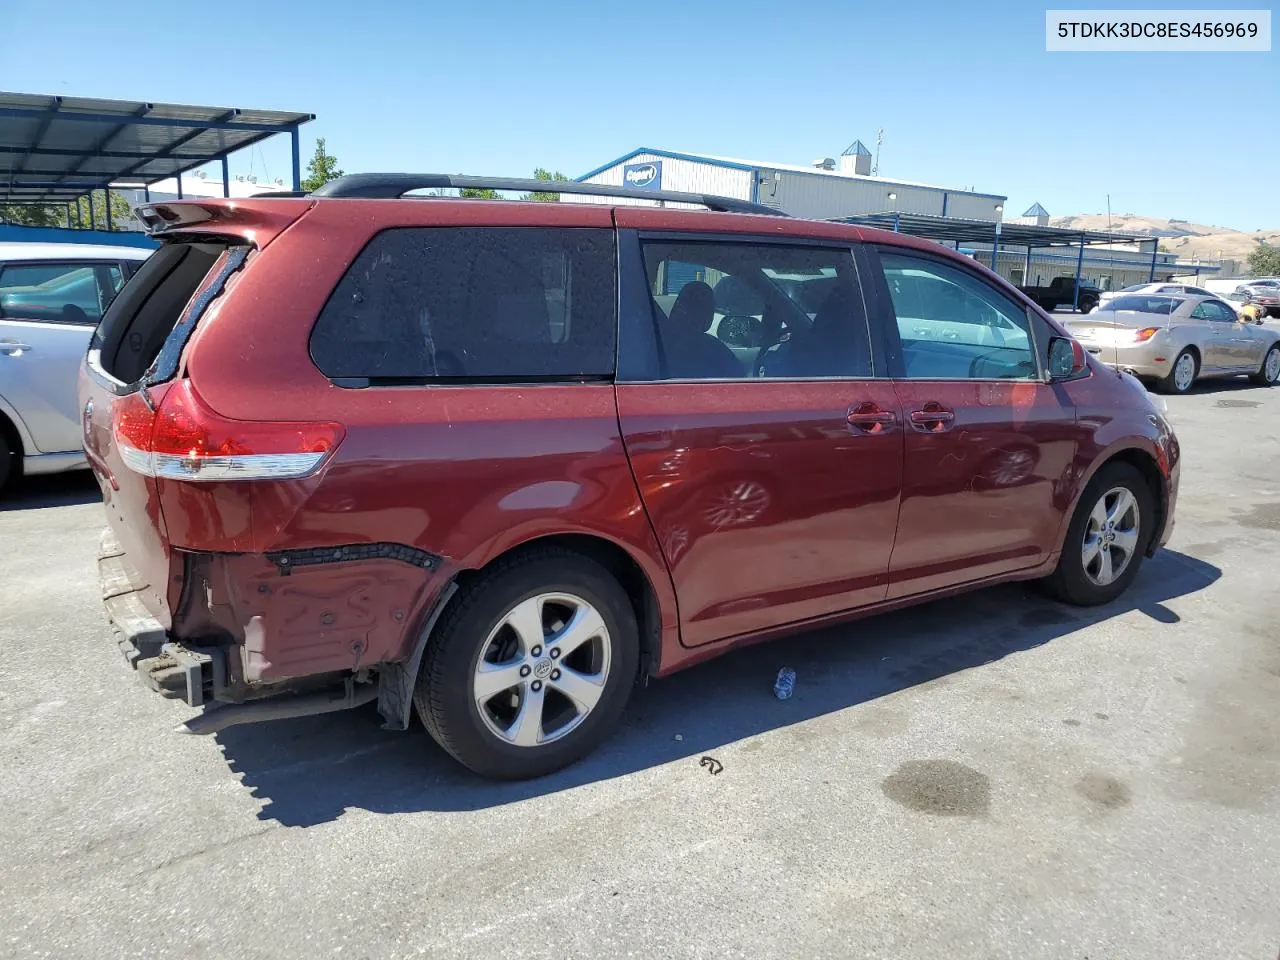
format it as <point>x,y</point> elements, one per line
<point>1110,536</point>
<point>1185,372</point>
<point>543,669</point>
<point>1272,368</point>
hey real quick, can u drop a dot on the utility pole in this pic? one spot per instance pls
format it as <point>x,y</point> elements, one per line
<point>875,167</point>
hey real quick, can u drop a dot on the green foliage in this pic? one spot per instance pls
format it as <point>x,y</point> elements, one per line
<point>1264,260</point>
<point>542,196</point>
<point>56,215</point>
<point>29,216</point>
<point>120,211</point>
<point>322,168</point>
<point>472,193</point>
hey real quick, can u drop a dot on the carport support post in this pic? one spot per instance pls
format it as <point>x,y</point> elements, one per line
<point>1075,294</point>
<point>93,219</point>
<point>995,249</point>
<point>1026,271</point>
<point>1155,248</point>
<point>146,193</point>
<point>226,180</point>
<point>68,211</point>
<point>895,222</point>
<point>297,159</point>
<point>106,202</point>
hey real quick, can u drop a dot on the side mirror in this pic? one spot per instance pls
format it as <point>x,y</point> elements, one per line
<point>1066,359</point>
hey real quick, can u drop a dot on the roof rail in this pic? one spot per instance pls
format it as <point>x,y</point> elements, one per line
<point>385,186</point>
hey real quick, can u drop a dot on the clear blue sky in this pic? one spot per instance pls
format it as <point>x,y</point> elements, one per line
<point>965,92</point>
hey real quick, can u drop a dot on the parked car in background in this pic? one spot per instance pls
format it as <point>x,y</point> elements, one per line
<point>1244,307</point>
<point>485,459</point>
<point>52,296</point>
<point>1175,340</point>
<point>1061,292</point>
<point>1265,292</point>
<point>1174,289</point>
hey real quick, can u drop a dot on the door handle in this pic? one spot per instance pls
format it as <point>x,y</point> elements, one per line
<point>869,418</point>
<point>933,417</point>
<point>13,348</point>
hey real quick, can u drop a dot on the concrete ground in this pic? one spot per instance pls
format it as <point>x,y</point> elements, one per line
<point>993,776</point>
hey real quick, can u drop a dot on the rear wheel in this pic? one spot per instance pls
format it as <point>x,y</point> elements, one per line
<point>1269,372</point>
<point>1107,538</point>
<point>1186,366</point>
<point>531,666</point>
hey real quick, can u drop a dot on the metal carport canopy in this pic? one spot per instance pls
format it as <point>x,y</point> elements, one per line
<point>984,231</point>
<point>55,149</point>
<point>996,232</point>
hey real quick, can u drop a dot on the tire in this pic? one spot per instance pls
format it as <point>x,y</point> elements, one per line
<point>1075,580</point>
<point>1270,362</point>
<point>474,628</point>
<point>1169,384</point>
<point>1087,305</point>
<point>8,462</point>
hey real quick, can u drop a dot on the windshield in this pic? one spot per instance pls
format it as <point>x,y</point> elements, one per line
<point>1150,304</point>
<point>1136,287</point>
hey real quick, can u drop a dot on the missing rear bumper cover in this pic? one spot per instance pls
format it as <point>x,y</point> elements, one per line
<point>286,560</point>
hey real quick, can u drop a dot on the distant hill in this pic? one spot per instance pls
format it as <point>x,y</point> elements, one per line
<point>1188,240</point>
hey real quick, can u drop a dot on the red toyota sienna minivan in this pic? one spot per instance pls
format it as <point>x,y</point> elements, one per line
<point>496,461</point>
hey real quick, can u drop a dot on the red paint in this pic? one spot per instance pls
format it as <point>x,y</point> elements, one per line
<point>750,507</point>
<point>769,505</point>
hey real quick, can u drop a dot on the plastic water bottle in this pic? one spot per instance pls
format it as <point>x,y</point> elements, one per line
<point>785,685</point>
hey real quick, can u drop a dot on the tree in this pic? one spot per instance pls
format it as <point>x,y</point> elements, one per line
<point>543,196</point>
<point>322,168</point>
<point>475,193</point>
<point>55,215</point>
<point>31,216</point>
<point>121,212</point>
<point>1264,260</point>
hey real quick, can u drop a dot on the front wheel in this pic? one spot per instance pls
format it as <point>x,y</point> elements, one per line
<point>1109,532</point>
<point>531,665</point>
<point>1185,369</point>
<point>1269,372</point>
<point>7,462</point>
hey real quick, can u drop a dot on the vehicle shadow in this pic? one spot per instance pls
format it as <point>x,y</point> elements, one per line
<point>51,490</point>
<point>1222,385</point>
<point>308,771</point>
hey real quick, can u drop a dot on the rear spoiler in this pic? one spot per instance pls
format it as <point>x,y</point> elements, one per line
<point>254,221</point>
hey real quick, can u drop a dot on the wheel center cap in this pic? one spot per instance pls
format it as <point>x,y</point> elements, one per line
<point>542,669</point>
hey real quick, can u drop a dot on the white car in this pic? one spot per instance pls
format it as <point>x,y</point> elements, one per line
<point>1165,288</point>
<point>52,296</point>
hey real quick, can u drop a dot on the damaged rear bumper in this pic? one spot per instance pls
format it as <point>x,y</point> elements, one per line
<point>195,675</point>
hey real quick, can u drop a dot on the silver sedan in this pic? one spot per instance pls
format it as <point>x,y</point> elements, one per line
<point>1176,340</point>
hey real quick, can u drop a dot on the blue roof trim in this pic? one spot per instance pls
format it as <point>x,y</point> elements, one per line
<point>856,149</point>
<point>669,155</point>
<point>1036,211</point>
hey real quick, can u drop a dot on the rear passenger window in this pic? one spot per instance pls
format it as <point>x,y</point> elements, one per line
<point>954,325</point>
<point>728,311</point>
<point>476,304</point>
<point>75,293</point>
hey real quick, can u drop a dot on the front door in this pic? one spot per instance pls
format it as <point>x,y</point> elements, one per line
<point>989,445</point>
<point>1214,334</point>
<point>48,312</point>
<point>1239,347</point>
<point>766,443</point>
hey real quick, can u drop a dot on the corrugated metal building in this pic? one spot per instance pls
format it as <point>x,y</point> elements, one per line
<point>831,188</point>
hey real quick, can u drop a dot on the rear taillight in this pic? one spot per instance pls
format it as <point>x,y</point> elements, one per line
<point>1145,334</point>
<point>184,440</point>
